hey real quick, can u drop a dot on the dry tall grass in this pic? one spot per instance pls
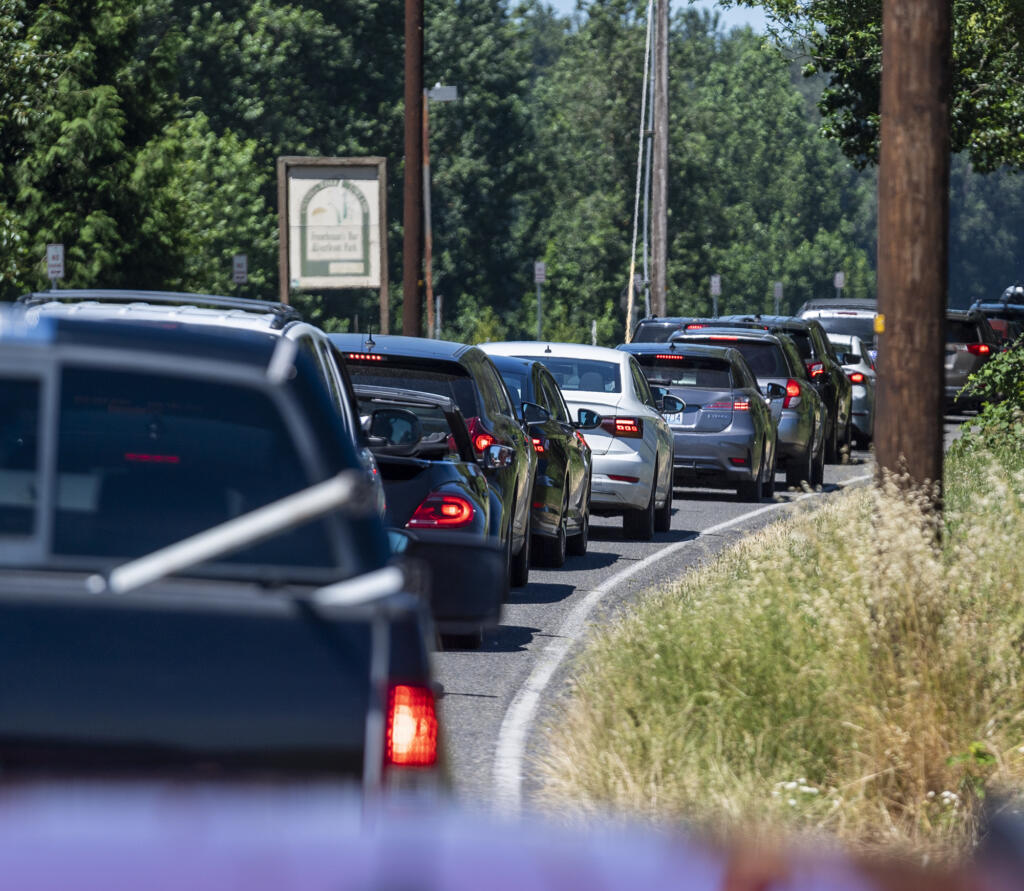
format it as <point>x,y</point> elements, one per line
<point>839,671</point>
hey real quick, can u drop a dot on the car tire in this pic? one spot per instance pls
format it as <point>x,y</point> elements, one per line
<point>577,544</point>
<point>638,523</point>
<point>519,574</point>
<point>663,514</point>
<point>550,550</point>
<point>471,641</point>
<point>753,490</point>
<point>799,470</point>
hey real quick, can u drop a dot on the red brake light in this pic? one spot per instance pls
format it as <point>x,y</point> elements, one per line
<point>630,428</point>
<point>365,357</point>
<point>581,438</point>
<point>815,369</point>
<point>482,439</point>
<point>856,377</point>
<point>411,727</point>
<point>721,337</point>
<point>720,406</point>
<point>695,325</point>
<point>979,349</point>
<point>147,458</point>
<point>672,356</point>
<point>442,510</point>
<point>792,399</point>
<point>538,444</point>
<point>741,406</point>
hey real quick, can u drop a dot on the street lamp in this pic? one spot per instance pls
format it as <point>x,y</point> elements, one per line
<point>437,93</point>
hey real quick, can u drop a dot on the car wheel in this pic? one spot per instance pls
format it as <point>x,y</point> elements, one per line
<point>818,470</point>
<point>753,490</point>
<point>551,550</point>
<point>832,443</point>
<point>638,523</point>
<point>577,545</point>
<point>663,514</point>
<point>799,470</point>
<point>472,641</point>
<point>520,573</point>
<point>769,483</point>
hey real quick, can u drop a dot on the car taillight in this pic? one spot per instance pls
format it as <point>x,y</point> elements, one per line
<point>411,739</point>
<point>721,406</point>
<point>538,444</point>
<point>741,406</point>
<point>792,398</point>
<point>815,369</point>
<point>581,438</point>
<point>979,349</point>
<point>856,377</point>
<point>629,428</point>
<point>695,326</point>
<point>442,510</point>
<point>482,438</point>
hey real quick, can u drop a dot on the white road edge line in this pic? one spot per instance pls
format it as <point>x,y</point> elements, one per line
<point>515,727</point>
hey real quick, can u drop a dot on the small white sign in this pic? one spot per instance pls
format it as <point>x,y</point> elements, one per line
<point>54,261</point>
<point>439,93</point>
<point>839,281</point>
<point>540,273</point>
<point>240,269</point>
<point>716,286</point>
<point>778,290</point>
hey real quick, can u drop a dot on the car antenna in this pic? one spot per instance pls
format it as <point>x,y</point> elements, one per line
<point>369,343</point>
<point>547,349</point>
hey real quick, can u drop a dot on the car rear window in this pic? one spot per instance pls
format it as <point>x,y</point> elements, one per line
<point>958,331</point>
<point>655,332</point>
<point>670,370</point>
<point>802,340</point>
<point>19,458</point>
<point>441,378</point>
<point>848,324</point>
<point>587,375</point>
<point>145,460</point>
<point>764,359</point>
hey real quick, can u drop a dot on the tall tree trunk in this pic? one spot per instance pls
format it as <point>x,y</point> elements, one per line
<point>412,211</point>
<point>659,182</point>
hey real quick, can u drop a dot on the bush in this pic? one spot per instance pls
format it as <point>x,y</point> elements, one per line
<point>846,670</point>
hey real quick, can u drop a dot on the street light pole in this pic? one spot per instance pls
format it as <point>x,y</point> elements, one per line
<point>437,94</point>
<point>412,213</point>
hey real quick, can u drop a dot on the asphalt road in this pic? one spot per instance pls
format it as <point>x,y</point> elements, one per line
<point>494,699</point>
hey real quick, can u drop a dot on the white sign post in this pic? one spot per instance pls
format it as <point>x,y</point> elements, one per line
<point>240,269</point>
<point>840,282</point>
<point>778,297</point>
<point>540,275</point>
<point>54,264</point>
<point>716,292</point>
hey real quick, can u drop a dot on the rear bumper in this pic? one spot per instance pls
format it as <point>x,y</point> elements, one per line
<point>610,496</point>
<point>794,434</point>
<point>706,457</point>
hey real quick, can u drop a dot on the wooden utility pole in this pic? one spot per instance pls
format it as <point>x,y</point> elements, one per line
<point>913,233</point>
<point>412,211</point>
<point>659,181</point>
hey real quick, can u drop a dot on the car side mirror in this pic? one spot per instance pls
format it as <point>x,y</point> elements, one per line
<point>497,456</point>
<point>587,419</point>
<point>396,426</point>
<point>775,391</point>
<point>672,405</point>
<point>534,413</point>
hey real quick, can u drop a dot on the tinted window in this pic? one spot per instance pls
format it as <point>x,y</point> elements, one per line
<point>802,341</point>
<point>765,359</point>
<point>19,460</point>
<point>588,375</point>
<point>495,396</point>
<point>517,384</point>
<point>858,326</point>
<point>146,460</point>
<point>443,378</point>
<point>655,332</point>
<point>553,398</point>
<point>670,370</point>
<point>961,332</point>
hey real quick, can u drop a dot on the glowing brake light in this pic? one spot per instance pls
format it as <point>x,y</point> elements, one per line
<point>482,439</point>
<point>365,357</point>
<point>441,510</point>
<point>671,357</point>
<point>629,428</point>
<point>741,406</point>
<point>856,377</point>
<point>815,369</point>
<point>695,325</point>
<point>411,727</point>
<point>792,398</point>
<point>538,444</point>
<point>721,337</point>
<point>979,349</point>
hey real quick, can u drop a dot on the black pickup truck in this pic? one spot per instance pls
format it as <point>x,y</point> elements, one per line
<point>193,581</point>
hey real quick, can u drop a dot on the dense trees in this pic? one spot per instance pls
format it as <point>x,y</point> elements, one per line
<point>143,133</point>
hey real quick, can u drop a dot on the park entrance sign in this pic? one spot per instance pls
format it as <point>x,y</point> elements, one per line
<point>332,219</point>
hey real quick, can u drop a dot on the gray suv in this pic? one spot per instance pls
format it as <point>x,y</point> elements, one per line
<point>970,343</point>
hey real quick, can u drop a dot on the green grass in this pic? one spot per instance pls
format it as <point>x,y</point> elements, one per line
<point>839,672</point>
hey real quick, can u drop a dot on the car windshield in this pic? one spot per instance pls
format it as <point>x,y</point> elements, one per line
<point>858,326</point>
<point>671,370</point>
<point>146,460</point>
<point>588,375</point>
<point>441,378</point>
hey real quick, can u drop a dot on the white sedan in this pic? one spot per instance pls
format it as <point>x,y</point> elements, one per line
<point>631,447</point>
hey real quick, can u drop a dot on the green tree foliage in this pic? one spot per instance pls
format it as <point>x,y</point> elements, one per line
<point>843,39</point>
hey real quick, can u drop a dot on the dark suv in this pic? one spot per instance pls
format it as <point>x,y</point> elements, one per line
<point>467,376</point>
<point>970,343</point>
<point>659,330</point>
<point>1006,315</point>
<point>823,368</point>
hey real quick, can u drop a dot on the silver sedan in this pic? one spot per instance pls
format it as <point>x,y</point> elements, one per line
<point>860,369</point>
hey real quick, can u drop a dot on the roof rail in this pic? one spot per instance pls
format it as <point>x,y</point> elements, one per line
<point>281,312</point>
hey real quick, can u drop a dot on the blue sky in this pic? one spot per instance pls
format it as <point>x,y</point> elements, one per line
<point>729,17</point>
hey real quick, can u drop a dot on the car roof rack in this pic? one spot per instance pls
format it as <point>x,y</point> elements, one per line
<point>281,312</point>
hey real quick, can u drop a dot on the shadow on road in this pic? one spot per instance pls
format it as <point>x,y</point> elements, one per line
<point>540,592</point>
<point>509,639</point>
